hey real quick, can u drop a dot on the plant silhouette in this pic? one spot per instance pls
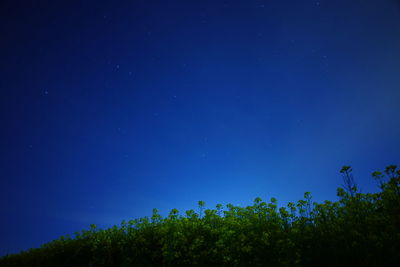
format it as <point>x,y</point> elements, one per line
<point>357,230</point>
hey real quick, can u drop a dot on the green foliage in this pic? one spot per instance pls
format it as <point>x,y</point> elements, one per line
<point>357,230</point>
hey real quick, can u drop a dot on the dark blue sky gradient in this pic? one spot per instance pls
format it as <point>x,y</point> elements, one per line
<point>108,109</point>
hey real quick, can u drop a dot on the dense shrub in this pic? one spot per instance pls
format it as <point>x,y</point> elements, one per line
<point>357,230</point>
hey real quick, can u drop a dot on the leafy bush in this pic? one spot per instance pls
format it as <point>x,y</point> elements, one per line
<point>357,230</point>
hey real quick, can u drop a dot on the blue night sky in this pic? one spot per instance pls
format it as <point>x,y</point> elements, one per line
<point>109,109</point>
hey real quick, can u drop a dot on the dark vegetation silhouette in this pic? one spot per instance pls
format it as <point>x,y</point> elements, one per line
<point>357,230</point>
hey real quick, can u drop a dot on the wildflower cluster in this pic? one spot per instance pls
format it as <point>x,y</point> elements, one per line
<point>357,230</point>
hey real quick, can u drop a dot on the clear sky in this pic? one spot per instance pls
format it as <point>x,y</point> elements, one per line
<point>109,109</point>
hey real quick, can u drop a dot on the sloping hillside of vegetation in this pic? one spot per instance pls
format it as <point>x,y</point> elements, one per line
<point>357,230</point>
